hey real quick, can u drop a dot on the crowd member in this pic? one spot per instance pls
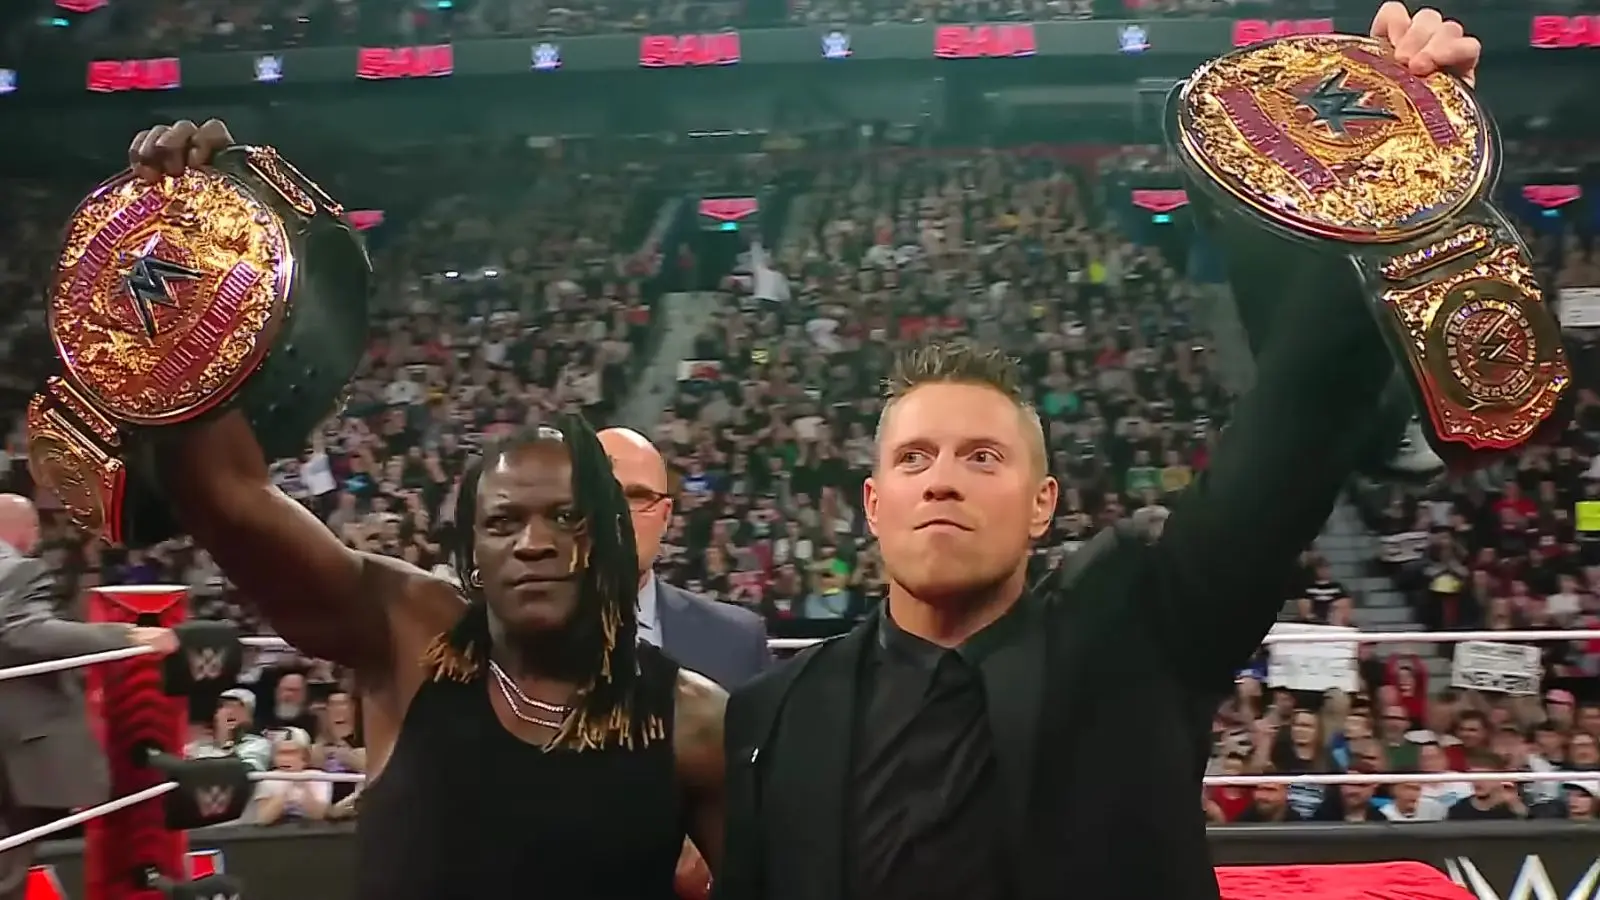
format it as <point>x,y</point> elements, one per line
<point>279,801</point>
<point>231,732</point>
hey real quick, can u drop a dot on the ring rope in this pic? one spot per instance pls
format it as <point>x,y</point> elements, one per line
<point>71,662</point>
<point>150,793</point>
<point>1402,778</point>
<point>1320,637</point>
<point>1330,778</point>
<point>85,815</point>
<point>1310,637</point>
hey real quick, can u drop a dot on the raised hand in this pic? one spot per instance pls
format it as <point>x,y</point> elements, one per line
<point>169,149</point>
<point>1427,42</point>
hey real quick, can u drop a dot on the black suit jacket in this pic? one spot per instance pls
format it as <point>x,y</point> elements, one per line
<point>725,643</point>
<point>1103,742</point>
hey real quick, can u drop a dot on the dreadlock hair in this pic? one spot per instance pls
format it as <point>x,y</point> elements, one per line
<point>608,710</point>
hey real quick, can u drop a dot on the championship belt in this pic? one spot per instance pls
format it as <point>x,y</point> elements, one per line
<point>239,284</point>
<point>1322,154</point>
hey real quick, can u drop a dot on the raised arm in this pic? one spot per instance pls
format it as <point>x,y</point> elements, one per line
<point>327,600</point>
<point>321,596</point>
<point>1228,551</point>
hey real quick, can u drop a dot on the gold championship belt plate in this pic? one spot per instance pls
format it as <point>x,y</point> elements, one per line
<point>238,284</point>
<point>1328,145</point>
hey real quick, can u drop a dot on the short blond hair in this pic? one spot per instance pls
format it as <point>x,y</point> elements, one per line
<point>962,362</point>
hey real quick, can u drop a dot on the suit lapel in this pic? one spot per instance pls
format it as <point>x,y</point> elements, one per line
<point>818,730</point>
<point>671,608</point>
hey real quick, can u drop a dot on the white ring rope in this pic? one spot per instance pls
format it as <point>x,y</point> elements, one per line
<point>1404,778</point>
<point>1354,637</point>
<point>1311,637</point>
<point>71,662</point>
<point>311,775</point>
<point>1211,780</point>
<point>276,643</point>
<point>150,793</point>
<point>85,815</point>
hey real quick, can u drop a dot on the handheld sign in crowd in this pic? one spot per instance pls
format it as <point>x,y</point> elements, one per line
<point>1501,668</point>
<point>1587,515</point>
<point>1407,546</point>
<point>1314,667</point>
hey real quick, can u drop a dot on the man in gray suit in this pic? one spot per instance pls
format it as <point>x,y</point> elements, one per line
<point>49,759</point>
<point>725,643</point>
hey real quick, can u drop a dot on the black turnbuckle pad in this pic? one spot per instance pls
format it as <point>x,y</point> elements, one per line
<point>211,887</point>
<point>209,792</point>
<point>208,660</point>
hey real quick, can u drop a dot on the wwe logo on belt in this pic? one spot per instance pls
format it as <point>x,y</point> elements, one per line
<point>213,802</point>
<point>206,664</point>
<point>148,287</point>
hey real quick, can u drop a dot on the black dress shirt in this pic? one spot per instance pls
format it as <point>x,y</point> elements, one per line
<point>927,817</point>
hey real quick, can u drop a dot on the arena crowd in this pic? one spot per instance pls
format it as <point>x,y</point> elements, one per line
<point>524,286</point>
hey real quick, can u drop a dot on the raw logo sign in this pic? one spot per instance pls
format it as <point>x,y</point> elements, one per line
<point>1532,882</point>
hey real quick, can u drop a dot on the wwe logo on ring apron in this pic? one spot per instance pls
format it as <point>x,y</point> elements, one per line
<point>1532,882</point>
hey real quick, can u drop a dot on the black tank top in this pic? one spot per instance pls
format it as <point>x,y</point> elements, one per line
<point>464,810</point>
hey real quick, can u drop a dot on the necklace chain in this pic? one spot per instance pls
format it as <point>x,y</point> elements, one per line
<point>516,710</point>
<point>508,687</point>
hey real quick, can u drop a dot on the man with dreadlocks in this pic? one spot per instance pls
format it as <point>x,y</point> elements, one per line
<point>523,742</point>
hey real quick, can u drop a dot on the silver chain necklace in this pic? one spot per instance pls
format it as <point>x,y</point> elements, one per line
<point>514,695</point>
<point>530,718</point>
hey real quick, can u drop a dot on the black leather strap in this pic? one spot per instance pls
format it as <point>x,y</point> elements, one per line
<point>302,379</point>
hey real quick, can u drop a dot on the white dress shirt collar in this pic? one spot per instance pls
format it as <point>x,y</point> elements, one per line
<point>649,621</point>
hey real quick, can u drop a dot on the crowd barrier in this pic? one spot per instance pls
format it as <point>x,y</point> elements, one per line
<point>1536,860</point>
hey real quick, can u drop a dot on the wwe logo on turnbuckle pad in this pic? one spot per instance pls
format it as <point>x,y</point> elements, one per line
<point>207,664</point>
<point>213,802</point>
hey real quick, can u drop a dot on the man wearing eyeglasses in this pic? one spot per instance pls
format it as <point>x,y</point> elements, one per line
<point>721,641</point>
